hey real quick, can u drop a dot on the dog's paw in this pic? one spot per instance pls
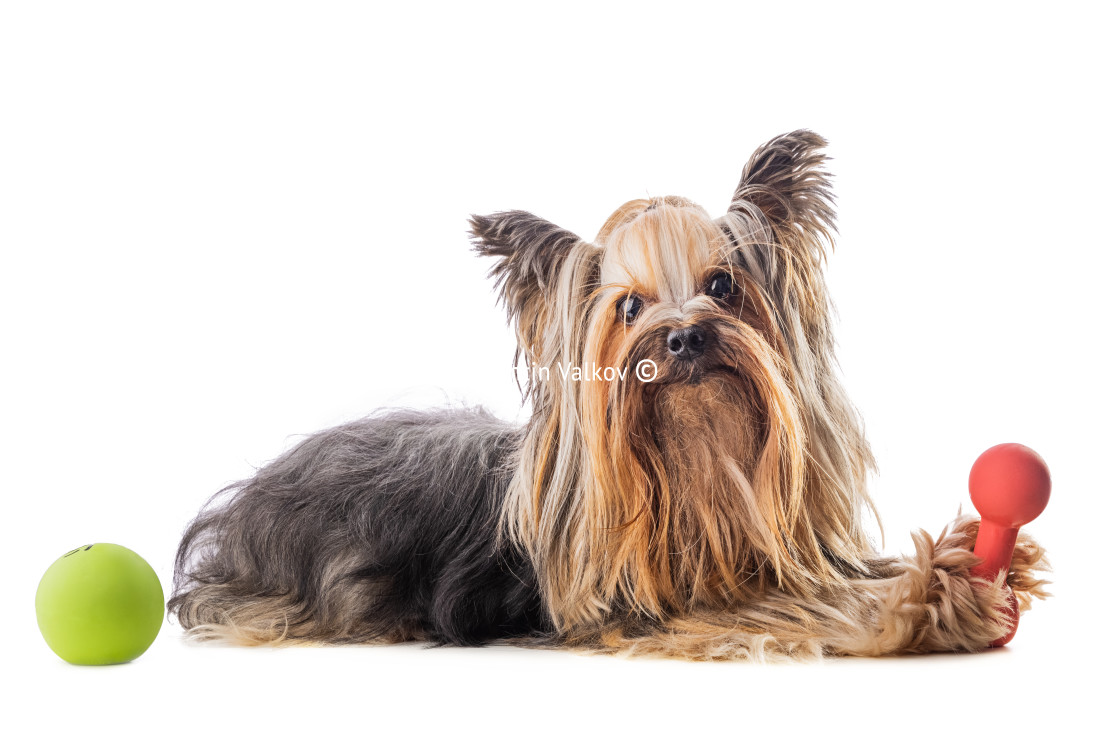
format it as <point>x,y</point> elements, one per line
<point>954,548</point>
<point>965,613</point>
<point>1027,559</point>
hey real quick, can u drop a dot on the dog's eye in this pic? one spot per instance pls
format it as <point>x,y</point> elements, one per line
<point>720,286</point>
<point>629,308</point>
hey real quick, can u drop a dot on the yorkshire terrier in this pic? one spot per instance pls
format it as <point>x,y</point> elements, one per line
<point>712,510</point>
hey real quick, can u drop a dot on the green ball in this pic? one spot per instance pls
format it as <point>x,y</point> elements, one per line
<point>99,604</point>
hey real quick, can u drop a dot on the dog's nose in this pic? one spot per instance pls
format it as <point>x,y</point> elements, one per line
<point>686,344</point>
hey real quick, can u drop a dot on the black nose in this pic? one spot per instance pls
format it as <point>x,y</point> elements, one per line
<point>686,344</point>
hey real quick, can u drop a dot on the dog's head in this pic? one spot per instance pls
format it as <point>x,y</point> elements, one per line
<point>704,449</point>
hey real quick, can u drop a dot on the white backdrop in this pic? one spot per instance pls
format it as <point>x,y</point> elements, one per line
<point>228,224</point>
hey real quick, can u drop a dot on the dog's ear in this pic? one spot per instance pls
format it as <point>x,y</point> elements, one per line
<point>785,182</point>
<point>531,273</point>
<point>781,219</point>
<point>530,252</point>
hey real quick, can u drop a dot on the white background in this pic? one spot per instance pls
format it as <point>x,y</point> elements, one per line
<point>224,225</point>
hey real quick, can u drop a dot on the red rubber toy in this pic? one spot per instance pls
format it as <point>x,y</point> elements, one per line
<point>1010,486</point>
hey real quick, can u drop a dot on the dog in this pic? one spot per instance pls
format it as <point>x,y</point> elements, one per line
<point>711,510</point>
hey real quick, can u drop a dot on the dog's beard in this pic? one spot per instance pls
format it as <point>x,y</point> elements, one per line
<point>708,433</point>
<point>700,426</point>
<point>691,473</point>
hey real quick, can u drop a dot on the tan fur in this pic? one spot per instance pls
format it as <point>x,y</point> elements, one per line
<point>930,603</point>
<point>722,517</point>
<point>635,533</point>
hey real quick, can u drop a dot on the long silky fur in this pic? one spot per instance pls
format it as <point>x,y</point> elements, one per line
<point>378,530</point>
<point>714,513</point>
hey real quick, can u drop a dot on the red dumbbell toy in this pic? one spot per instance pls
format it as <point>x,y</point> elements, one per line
<point>1010,486</point>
